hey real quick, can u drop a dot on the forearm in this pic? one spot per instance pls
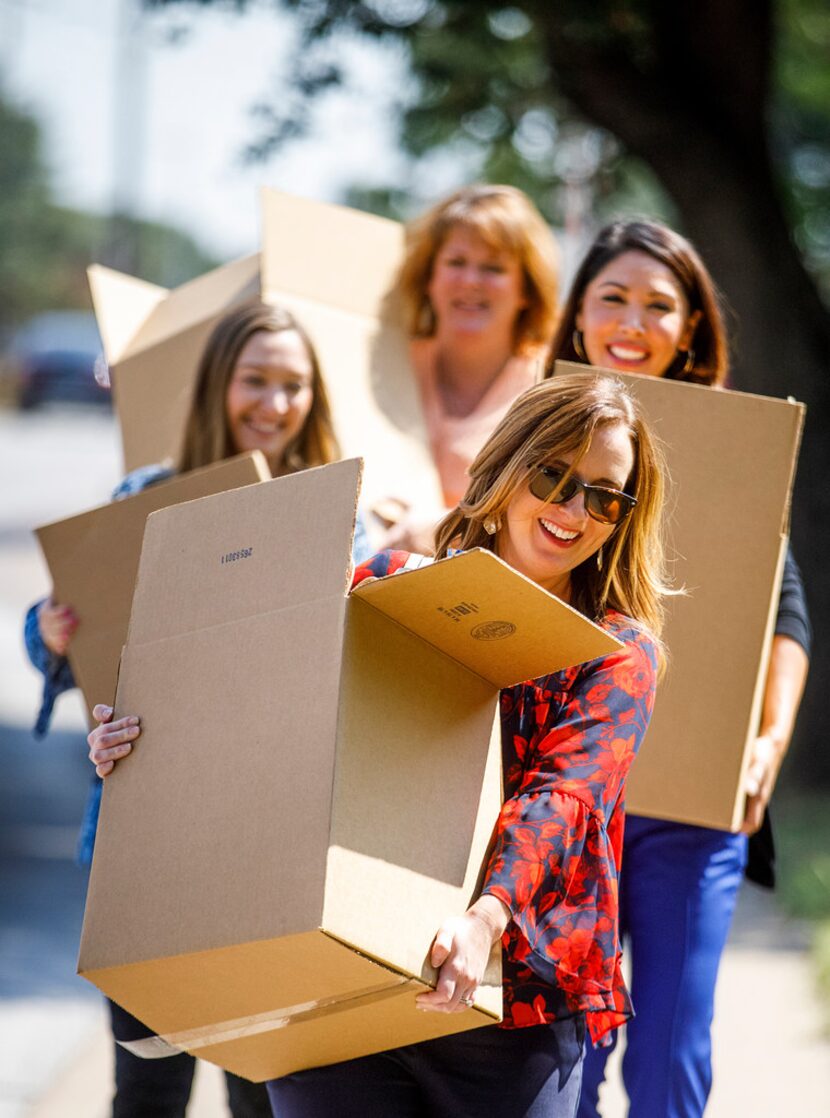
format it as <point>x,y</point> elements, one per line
<point>493,914</point>
<point>786,677</point>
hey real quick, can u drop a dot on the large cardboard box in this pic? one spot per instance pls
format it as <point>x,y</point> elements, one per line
<point>732,459</point>
<point>334,268</point>
<point>153,341</point>
<point>316,782</point>
<point>93,560</point>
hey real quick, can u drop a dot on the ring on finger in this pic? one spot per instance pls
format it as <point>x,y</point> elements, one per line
<point>466,1000</point>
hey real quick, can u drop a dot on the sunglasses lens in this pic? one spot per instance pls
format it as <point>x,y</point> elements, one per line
<point>543,483</point>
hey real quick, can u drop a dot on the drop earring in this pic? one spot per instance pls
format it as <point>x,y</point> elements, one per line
<point>491,526</point>
<point>599,560</point>
<point>579,346</point>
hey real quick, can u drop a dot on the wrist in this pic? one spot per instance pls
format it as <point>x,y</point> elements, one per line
<point>492,914</point>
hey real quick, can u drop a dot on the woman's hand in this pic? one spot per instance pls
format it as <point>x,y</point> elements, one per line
<point>111,741</point>
<point>57,624</point>
<point>460,951</point>
<point>760,780</point>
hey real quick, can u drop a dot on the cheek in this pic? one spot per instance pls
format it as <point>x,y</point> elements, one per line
<point>301,405</point>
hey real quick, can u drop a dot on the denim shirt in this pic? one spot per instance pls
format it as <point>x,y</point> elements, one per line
<point>57,673</point>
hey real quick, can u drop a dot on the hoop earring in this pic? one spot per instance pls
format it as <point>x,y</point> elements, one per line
<point>688,364</point>
<point>491,526</point>
<point>579,346</point>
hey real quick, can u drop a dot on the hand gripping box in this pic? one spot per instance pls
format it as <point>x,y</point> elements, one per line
<point>316,782</point>
<point>93,560</point>
<point>732,459</point>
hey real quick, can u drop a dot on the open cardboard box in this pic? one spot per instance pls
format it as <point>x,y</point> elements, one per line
<point>153,340</point>
<point>93,560</point>
<point>732,459</point>
<point>316,782</point>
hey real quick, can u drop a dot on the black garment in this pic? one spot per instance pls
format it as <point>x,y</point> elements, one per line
<point>792,621</point>
<point>161,1088</point>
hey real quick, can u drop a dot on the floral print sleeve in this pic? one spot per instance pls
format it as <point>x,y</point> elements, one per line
<point>568,741</point>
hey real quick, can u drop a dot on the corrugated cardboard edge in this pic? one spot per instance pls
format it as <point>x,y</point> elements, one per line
<point>122,304</point>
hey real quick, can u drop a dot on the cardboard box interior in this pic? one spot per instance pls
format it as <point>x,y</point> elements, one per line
<point>732,459</point>
<point>316,782</point>
<point>93,560</point>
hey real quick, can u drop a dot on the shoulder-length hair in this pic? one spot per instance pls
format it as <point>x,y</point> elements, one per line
<point>709,349</point>
<point>507,221</point>
<point>557,417</point>
<point>207,436</point>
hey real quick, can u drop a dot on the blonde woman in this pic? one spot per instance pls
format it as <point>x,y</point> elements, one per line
<point>478,285</point>
<point>570,474</point>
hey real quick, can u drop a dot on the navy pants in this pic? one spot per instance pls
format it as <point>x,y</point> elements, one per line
<point>161,1088</point>
<point>501,1073</point>
<point>678,889</point>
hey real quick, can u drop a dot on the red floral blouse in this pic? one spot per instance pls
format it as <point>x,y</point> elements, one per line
<point>568,741</point>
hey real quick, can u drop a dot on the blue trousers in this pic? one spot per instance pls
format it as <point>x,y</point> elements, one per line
<point>500,1073</point>
<point>678,889</point>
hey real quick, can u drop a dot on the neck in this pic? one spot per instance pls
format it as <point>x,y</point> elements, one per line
<point>560,588</point>
<point>467,368</point>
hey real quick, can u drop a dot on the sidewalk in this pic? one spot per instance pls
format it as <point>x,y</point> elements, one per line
<point>770,1058</point>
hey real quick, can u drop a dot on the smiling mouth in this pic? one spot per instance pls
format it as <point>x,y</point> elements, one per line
<point>629,353</point>
<point>263,428</point>
<point>561,535</point>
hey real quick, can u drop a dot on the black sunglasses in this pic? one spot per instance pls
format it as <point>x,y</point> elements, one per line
<point>608,506</point>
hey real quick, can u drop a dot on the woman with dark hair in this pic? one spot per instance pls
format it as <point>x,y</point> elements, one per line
<point>258,387</point>
<point>571,471</point>
<point>643,302</point>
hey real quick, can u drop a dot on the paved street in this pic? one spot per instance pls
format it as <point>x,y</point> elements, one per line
<point>771,1061</point>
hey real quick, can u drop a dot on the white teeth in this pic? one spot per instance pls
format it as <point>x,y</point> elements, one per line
<point>626,354</point>
<point>560,533</point>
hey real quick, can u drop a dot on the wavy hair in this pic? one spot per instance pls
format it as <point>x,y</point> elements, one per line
<point>507,221</point>
<point>559,417</point>
<point>207,436</point>
<point>709,345</point>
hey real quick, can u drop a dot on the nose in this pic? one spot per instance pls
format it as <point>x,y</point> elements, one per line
<point>277,400</point>
<point>632,320</point>
<point>575,505</point>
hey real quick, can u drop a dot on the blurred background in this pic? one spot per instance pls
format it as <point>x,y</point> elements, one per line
<point>135,134</point>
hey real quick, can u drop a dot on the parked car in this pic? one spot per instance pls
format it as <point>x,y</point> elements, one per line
<point>53,356</point>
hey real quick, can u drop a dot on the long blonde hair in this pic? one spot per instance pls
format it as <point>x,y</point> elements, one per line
<point>560,417</point>
<point>207,437</point>
<point>507,221</point>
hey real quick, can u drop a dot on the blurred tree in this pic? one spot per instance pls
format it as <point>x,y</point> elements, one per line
<point>724,105</point>
<point>45,248</point>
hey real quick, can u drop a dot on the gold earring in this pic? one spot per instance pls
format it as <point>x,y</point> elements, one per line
<point>491,526</point>
<point>689,363</point>
<point>599,560</point>
<point>579,346</point>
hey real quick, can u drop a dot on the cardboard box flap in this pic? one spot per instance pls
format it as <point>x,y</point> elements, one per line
<point>475,608</point>
<point>93,560</point>
<point>361,253</point>
<point>122,304</point>
<point>134,315</point>
<point>227,546</point>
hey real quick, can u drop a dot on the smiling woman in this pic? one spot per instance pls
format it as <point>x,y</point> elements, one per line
<point>478,284</point>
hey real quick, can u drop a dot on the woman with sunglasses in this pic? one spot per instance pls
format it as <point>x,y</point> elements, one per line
<point>258,387</point>
<point>568,490</point>
<point>478,288</point>
<point>643,302</point>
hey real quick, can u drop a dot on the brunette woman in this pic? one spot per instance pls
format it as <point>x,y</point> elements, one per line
<point>258,387</point>
<point>571,473</point>
<point>643,302</point>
